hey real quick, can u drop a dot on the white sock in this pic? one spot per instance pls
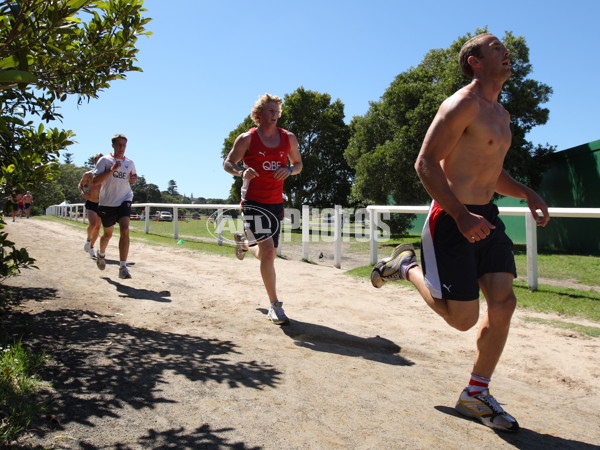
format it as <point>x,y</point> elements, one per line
<point>123,263</point>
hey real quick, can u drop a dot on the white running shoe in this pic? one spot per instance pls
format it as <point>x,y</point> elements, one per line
<point>277,315</point>
<point>124,272</point>
<point>240,251</point>
<point>395,267</point>
<point>87,247</point>
<point>487,410</point>
<point>100,261</point>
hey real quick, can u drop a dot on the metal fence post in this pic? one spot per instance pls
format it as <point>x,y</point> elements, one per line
<point>219,226</point>
<point>175,222</point>
<point>147,219</point>
<point>372,230</point>
<point>531,239</point>
<point>337,237</point>
<point>305,232</point>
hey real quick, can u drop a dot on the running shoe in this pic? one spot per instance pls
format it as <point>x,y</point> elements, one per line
<point>240,251</point>
<point>92,252</point>
<point>124,272</point>
<point>395,267</point>
<point>87,247</point>
<point>100,261</point>
<point>277,315</point>
<point>487,410</point>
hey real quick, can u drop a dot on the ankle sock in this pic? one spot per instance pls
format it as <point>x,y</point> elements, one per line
<point>407,268</point>
<point>477,384</point>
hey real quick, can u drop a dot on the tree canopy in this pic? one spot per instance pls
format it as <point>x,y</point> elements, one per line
<point>51,50</point>
<point>385,141</point>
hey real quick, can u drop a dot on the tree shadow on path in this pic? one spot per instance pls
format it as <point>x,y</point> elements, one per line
<point>101,366</point>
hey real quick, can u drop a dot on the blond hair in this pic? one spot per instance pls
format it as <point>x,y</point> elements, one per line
<point>260,104</point>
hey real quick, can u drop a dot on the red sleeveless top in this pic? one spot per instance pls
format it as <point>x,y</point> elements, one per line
<point>265,160</point>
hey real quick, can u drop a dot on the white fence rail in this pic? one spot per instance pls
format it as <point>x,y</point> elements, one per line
<point>530,228</point>
<point>77,212</point>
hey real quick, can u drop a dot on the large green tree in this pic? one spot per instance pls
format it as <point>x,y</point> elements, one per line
<point>322,134</point>
<point>64,187</point>
<point>386,140</point>
<point>318,124</point>
<point>172,188</point>
<point>144,192</point>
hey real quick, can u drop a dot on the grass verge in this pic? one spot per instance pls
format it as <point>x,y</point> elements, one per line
<point>19,384</point>
<point>571,303</point>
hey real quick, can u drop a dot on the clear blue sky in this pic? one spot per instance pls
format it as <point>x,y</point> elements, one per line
<point>208,61</point>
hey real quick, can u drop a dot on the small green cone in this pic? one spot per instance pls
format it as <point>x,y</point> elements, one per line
<point>181,241</point>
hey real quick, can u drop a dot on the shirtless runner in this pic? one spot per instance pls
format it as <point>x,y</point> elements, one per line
<point>464,247</point>
<point>91,193</point>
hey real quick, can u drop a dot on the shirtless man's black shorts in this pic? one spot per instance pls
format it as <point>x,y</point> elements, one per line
<point>452,265</point>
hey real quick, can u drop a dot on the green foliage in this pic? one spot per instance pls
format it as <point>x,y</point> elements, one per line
<point>28,155</point>
<point>247,123</point>
<point>68,158</point>
<point>145,192</point>
<point>385,142</point>
<point>50,50</point>
<point>69,47</point>
<point>172,189</point>
<point>18,385</point>
<point>318,124</point>
<point>12,260</point>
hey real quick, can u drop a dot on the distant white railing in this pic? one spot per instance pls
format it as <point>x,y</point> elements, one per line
<point>72,211</point>
<point>77,211</point>
<point>530,228</point>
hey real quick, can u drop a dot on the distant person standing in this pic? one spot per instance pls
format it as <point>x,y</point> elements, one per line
<point>27,202</point>
<point>91,194</point>
<point>115,173</point>
<point>264,151</point>
<point>12,198</point>
<point>20,204</point>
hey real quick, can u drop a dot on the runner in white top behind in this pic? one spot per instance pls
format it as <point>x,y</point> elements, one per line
<point>115,173</point>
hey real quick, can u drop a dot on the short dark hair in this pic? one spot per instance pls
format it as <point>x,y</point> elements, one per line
<point>470,48</point>
<point>118,136</point>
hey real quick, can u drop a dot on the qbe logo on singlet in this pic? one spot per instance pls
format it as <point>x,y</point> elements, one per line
<point>271,165</point>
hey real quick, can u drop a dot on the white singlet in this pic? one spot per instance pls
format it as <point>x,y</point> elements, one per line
<point>116,189</point>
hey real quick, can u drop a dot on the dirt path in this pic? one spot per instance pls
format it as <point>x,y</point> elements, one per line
<point>182,356</point>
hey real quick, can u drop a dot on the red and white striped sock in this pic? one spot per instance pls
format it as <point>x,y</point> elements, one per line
<point>477,384</point>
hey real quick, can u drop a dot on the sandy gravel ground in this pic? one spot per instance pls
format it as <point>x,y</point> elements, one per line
<point>183,356</point>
